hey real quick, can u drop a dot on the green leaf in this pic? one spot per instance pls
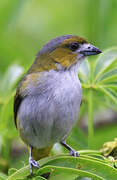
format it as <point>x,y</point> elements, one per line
<point>84,71</point>
<point>11,171</point>
<point>6,119</point>
<point>100,78</point>
<point>39,178</point>
<point>57,173</point>
<point>112,73</point>
<point>90,165</point>
<point>3,176</point>
<point>109,93</point>
<point>104,61</point>
<point>10,77</point>
<point>61,166</point>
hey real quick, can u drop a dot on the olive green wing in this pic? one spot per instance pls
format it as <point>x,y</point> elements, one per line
<point>29,80</point>
<point>17,101</point>
<point>21,93</point>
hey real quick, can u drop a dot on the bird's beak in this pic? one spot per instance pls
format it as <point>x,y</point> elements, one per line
<point>88,49</point>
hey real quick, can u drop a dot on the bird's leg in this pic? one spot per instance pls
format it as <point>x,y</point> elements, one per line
<point>32,162</point>
<point>72,151</point>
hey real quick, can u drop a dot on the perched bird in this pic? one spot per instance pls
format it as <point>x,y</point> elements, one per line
<point>48,97</point>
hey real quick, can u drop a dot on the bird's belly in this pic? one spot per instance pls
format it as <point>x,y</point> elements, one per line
<point>43,120</point>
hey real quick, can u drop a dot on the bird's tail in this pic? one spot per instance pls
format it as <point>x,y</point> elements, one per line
<point>41,153</point>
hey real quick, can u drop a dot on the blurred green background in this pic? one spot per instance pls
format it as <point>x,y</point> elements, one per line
<point>26,25</point>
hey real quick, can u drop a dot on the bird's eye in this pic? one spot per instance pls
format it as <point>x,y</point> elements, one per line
<point>74,46</point>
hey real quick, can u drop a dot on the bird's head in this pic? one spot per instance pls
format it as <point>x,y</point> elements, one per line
<point>63,51</point>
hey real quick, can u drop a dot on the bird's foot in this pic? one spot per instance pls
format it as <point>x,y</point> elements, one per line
<point>74,153</point>
<point>33,163</point>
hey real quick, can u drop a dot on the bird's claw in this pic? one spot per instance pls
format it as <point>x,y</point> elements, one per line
<point>33,163</point>
<point>74,153</point>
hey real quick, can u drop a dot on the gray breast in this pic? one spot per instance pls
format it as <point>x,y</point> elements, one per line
<point>48,116</point>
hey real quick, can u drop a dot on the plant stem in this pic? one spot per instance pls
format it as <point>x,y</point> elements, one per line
<point>90,119</point>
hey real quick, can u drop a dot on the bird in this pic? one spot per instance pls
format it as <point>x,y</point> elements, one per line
<point>48,97</point>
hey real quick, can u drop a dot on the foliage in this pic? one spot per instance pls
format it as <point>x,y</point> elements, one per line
<point>99,80</point>
<point>90,165</point>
